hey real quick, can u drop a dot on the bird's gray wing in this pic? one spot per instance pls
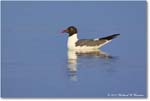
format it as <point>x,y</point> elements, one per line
<point>90,42</point>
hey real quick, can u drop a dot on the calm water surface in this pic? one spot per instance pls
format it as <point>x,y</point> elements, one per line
<point>36,62</point>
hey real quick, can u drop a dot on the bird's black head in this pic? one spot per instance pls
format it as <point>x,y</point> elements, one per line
<point>71,30</point>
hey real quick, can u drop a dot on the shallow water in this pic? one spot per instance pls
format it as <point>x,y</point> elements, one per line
<point>36,62</point>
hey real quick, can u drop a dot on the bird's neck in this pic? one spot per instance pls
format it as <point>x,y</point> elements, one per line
<point>72,40</point>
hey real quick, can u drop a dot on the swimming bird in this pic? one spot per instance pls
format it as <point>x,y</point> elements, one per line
<point>82,44</point>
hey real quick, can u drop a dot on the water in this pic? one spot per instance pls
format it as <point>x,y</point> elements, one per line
<point>37,64</point>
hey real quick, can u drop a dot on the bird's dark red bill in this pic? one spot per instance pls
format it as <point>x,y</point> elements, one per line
<point>64,31</point>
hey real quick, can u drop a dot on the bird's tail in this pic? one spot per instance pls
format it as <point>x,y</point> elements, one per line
<point>109,37</point>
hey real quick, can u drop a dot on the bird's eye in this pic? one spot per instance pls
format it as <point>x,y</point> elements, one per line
<point>71,29</point>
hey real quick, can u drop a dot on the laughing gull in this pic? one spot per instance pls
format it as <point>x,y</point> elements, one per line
<point>81,44</point>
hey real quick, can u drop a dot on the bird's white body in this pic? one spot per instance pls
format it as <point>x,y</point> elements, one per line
<point>71,41</point>
<point>72,44</point>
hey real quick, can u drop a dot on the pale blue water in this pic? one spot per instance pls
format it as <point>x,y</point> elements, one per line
<point>35,60</point>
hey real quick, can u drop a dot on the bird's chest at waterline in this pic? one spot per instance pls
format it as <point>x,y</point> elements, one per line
<point>71,41</point>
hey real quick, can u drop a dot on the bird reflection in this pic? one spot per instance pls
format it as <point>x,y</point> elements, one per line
<point>74,55</point>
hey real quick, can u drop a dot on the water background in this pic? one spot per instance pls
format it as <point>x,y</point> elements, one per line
<point>35,56</point>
